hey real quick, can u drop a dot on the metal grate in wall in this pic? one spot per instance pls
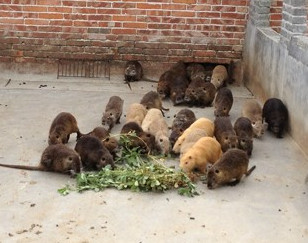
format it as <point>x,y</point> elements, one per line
<point>81,68</point>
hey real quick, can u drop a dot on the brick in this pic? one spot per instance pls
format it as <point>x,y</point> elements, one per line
<point>50,16</point>
<point>34,9</point>
<point>183,13</point>
<point>135,25</point>
<point>124,18</point>
<point>149,6</point>
<point>185,1</point>
<point>124,31</point>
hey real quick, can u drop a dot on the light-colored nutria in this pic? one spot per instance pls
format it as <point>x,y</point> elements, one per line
<point>192,138</point>
<point>55,158</point>
<point>253,111</point>
<point>205,150</point>
<point>133,71</point>
<point>223,102</point>
<point>225,134</point>
<point>202,123</point>
<point>155,124</point>
<point>275,114</point>
<point>244,133</point>
<point>229,169</point>
<point>61,127</point>
<point>93,154</point>
<point>143,140</point>
<point>136,113</point>
<point>152,100</point>
<point>113,112</point>
<point>219,76</point>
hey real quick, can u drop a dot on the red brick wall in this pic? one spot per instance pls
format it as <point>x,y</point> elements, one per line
<point>153,30</point>
<point>276,15</point>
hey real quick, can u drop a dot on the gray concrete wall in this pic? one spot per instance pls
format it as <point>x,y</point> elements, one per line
<point>276,65</point>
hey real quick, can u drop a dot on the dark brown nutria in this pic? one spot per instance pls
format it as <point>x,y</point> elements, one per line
<point>99,132</point>
<point>244,132</point>
<point>196,71</point>
<point>200,93</point>
<point>55,158</point>
<point>133,71</point>
<point>275,114</point>
<point>152,100</point>
<point>178,88</point>
<point>93,154</point>
<point>113,112</point>
<point>61,127</point>
<point>219,76</point>
<point>224,133</point>
<point>229,169</point>
<point>145,141</point>
<point>182,120</point>
<point>223,102</point>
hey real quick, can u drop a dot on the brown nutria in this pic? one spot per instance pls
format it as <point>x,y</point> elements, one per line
<point>275,114</point>
<point>229,169</point>
<point>136,112</point>
<point>203,123</point>
<point>200,93</point>
<point>55,158</point>
<point>155,124</point>
<point>244,133</point>
<point>196,71</point>
<point>225,134</point>
<point>205,150</point>
<point>93,154</point>
<point>61,127</point>
<point>145,141</point>
<point>253,111</point>
<point>219,76</point>
<point>99,132</point>
<point>113,112</point>
<point>133,71</point>
<point>223,102</point>
<point>177,89</point>
<point>152,100</point>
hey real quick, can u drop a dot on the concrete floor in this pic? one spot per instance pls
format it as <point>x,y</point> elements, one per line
<point>269,206</point>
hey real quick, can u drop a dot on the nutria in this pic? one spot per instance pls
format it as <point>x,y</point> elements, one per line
<point>225,134</point>
<point>145,141</point>
<point>152,100</point>
<point>229,169</point>
<point>113,112</point>
<point>55,158</point>
<point>253,111</point>
<point>190,93</point>
<point>155,124</point>
<point>192,138</point>
<point>136,112</point>
<point>244,133</point>
<point>196,71</point>
<point>275,114</point>
<point>205,150</point>
<point>93,154</point>
<point>177,89</point>
<point>61,127</point>
<point>203,123</point>
<point>223,102</point>
<point>219,76</point>
<point>99,132</point>
<point>200,93</point>
<point>133,71</point>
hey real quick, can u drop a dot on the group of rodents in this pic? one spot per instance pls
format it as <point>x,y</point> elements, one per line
<point>224,158</point>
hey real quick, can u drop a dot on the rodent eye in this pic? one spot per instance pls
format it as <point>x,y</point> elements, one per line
<point>107,139</point>
<point>216,171</point>
<point>225,108</point>
<point>160,140</point>
<point>57,136</point>
<point>253,123</point>
<point>103,158</point>
<point>110,114</point>
<point>70,158</point>
<point>186,163</point>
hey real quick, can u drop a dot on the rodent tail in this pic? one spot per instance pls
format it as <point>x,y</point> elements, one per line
<point>149,80</point>
<point>23,167</point>
<point>250,170</point>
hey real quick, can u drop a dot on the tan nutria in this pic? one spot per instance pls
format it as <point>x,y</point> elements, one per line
<point>155,124</point>
<point>113,112</point>
<point>219,76</point>
<point>225,134</point>
<point>136,113</point>
<point>205,150</point>
<point>93,154</point>
<point>229,169</point>
<point>182,120</point>
<point>192,137</point>
<point>244,133</point>
<point>61,127</point>
<point>196,71</point>
<point>133,71</point>
<point>55,158</point>
<point>275,114</point>
<point>202,123</point>
<point>152,100</point>
<point>145,141</point>
<point>223,102</point>
<point>253,111</point>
